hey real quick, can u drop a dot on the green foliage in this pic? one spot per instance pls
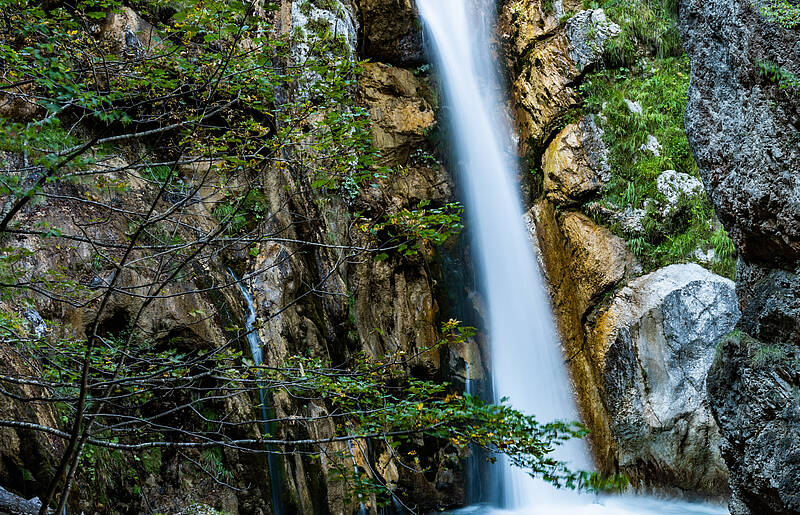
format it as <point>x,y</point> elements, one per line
<point>779,75</point>
<point>648,27</point>
<point>782,12</point>
<point>411,231</point>
<point>239,212</point>
<point>660,87</point>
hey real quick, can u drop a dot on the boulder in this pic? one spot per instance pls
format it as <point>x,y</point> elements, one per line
<point>575,164</point>
<point>673,184</point>
<point>653,347</point>
<point>587,32</point>
<point>742,127</point>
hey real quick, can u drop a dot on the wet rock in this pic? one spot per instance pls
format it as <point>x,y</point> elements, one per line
<point>575,164</point>
<point>556,261</point>
<point>521,22</point>
<point>653,347</point>
<point>391,31</point>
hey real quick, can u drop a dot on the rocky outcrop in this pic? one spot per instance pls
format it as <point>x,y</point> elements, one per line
<point>639,359</point>
<point>390,32</point>
<point>742,125</point>
<point>400,105</point>
<point>653,347</point>
<point>545,66</point>
<point>753,387</point>
<point>575,164</point>
<point>598,259</point>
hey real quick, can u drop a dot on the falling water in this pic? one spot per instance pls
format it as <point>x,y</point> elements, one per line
<point>527,363</point>
<point>526,357</point>
<point>254,343</point>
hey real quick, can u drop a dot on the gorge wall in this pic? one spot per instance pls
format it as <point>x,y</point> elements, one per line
<point>743,124</point>
<point>637,261</point>
<point>639,330</point>
<point>311,300</point>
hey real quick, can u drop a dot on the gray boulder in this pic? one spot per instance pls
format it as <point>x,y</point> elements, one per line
<point>742,127</point>
<point>656,342</point>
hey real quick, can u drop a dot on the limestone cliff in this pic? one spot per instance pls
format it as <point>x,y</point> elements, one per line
<point>743,124</point>
<point>310,296</point>
<point>639,345</point>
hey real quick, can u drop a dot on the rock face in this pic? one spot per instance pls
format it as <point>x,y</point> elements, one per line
<point>742,127</point>
<point>400,105</point>
<point>575,163</point>
<point>639,360</point>
<point>753,387</point>
<point>545,66</point>
<point>743,131</point>
<point>598,259</point>
<point>369,306</point>
<point>654,345</point>
<point>26,457</point>
<point>639,347</point>
<point>391,31</point>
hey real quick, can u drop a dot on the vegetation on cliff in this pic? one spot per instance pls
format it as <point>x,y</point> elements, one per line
<point>640,99</point>
<point>141,157</point>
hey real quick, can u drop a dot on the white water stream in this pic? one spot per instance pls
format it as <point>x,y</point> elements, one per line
<point>526,360</point>
<point>254,342</point>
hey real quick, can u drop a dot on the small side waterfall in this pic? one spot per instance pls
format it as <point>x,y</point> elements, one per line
<point>527,363</point>
<point>254,343</point>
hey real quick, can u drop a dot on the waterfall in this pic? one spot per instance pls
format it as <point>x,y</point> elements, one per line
<point>254,342</point>
<point>527,362</point>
